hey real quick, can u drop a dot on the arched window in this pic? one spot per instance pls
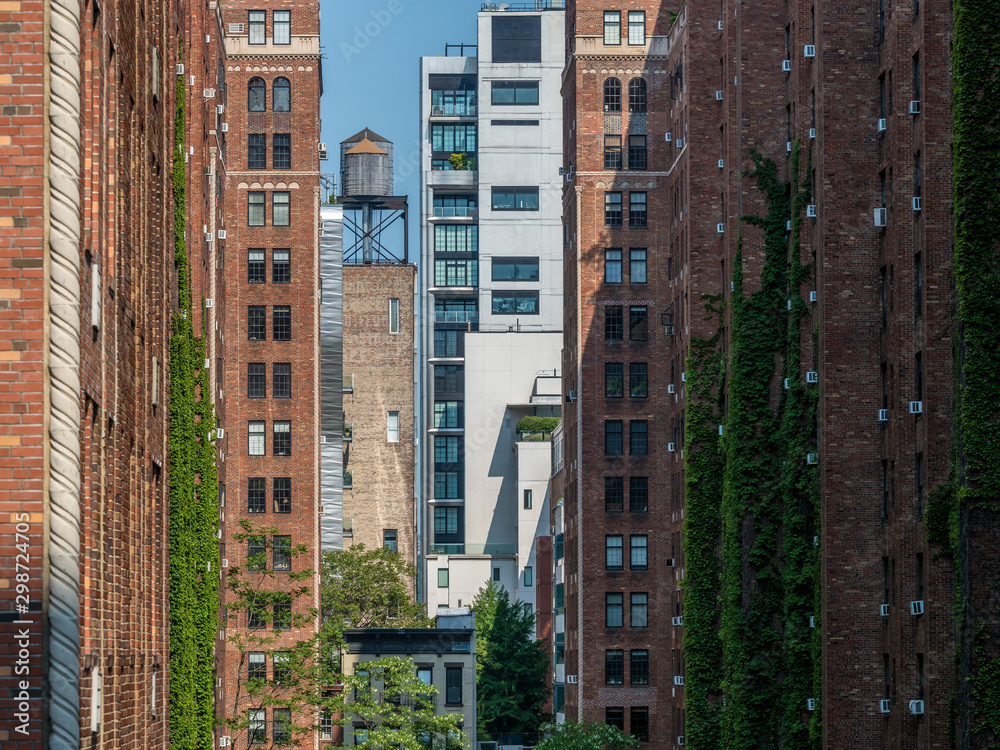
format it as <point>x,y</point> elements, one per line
<point>282,95</point>
<point>637,95</point>
<point>257,96</point>
<point>612,95</point>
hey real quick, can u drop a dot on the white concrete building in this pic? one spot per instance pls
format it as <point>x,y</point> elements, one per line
<point>490,303</point>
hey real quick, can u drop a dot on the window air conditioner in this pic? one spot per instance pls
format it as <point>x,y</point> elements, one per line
<point>684,377</point>
<point>917,607</point>
<point>917,708</point>
<point>812,621</point>
<point>572,396</point>
<point>788,225</point>
<point>225,741</point>
<point>720,228</point>
<point>915,107</point>
<point>786,65</point>
<point>722,429</point>
<point>812,459</point>
<point>680,737</point>
<point>220,433</point>
<point>881,124</point>
<point>880,217</point>
<point>220,108</point>
<point>812,296</point>
<point>810,50</point>
<point>812,376</point>
<point>208,93</point>
<point>561,170</point>
<point>225,562</point>
<point>571,679</point>
<point>916,203</point>
<point>811,210</point>
<point>811,704</point>
<point>883,705</point>
<point>180,69</point>
<point>206,363</point>
<point>191,79</point>
<point>680,143</point>
<point>812,132</point>
<point>916,407</point>
<point>670,388</point>
<point>668,330</point>
<point>672,447</point>
<point>222,234</point>
<point>667,137</point>
<point>720,29</point>
<point>722,163</point>
<point>208,302</point>
<point>786,384</point>
<point>788,304</point>
<point>883,415</point>
<point>235,28</point>
<point>224,127</point>
<point>718,96</point>
<point>883,610</point>
<point>678,679</point>
<point>677,621</point>
<point>788,146</point>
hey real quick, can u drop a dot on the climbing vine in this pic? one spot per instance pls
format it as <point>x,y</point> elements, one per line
<point>194,552</point>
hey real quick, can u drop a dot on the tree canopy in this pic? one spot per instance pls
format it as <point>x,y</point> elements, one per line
<point>596,736</point>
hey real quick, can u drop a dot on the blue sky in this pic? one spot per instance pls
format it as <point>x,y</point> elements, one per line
<point>371,50</point>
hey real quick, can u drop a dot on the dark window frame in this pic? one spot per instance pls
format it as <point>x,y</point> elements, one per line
<point>281,151</point>
<point>285,86</point>
<point>256,322</point>
<point>614,439</point>
<point>281,323</point>
<point>611,263</point>
<point>275,23</point>
<point>256,95</point>
<point>281,446</point>
<point>281,380</point>
<point>612,217</point>
<point>638,437</point>
<point>612,91</point>
<point>256,208</point>
<point>256,269</point>
<point>281,271</point>
<point>286,218</point>
<point>256,495</point>
<point>257,151</point>
<point>614,323</point>
<point>637,217</point>
<point>256,26</point>
<point>637,96</point>
<point>281,493</point>
<point>614,666</point>
<point>614,494</point>
<point>613,388</point>
<point>256,380</point>
<point>517,191</point>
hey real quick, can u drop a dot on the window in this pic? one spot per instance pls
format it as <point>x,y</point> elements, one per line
<point>281,551</point>
<point>613,375</point>
<point>258,27</point>
<point>257,726</point>
<point>613,266</point>
<point>612,95</point>
<point>636,27</point>
<point>456,238</point>
<point>638,437</point>
<point>255,209</point>
<point>447,484</point>
<point>459,98</point>
<point>283,26</point>
<point>517,39</point>
<point>612,27</point>
<point>637,265</point>
<point>256,495</point>
<point>515,269</point>
<point>918,471</point>
<point>456,273</point>
<point>527,499</point>
<point>326,724</point>
<point>281,153</point>
<point>613,555</point>
<point>256,95</point>
<point>425,675</point>
<point>446,343</point>
<point>447,206</point>
<point>612,152</point>
<point>638,380</point>
<point>256,380</point>
<point>282,492</point>
<point>496,574</point>
<point>639,610</point>
<point>446,520</point>
<point>281,209</point>
<point>639,723</point>
<point>255,439</point>
<point>638,559</point>
<point>393,316</point>
<point>453,138</point>
<point>256,270</point>
<point>442,578</point>
<point>639,667</point>
<point>637,152</point>
<point>638,328</point>
<point>614,667</point>
<point>614,494</point>
<point>916,76</point>
<point>521,302</point>
<point>637,95</point>
<point>282,612</point>
<point>453,686</point>
<point>613,437</point>
<point>637,209</point>
<point>613,610</point>
<point>529,577</point>
<point>257,665</point>
<point>282,380</point>
<point>614,716</point>
<point>392,427</point>
<point>281,322</point>
<point>448,414</point>
<point>282,718</point>
<point>390,539</point>
<point>282,438</point>
<point>638,494</point>
<point>614,325</point>
<point>282,95</point>
<point>613,209</point>
<point>256,553</point>
<point>514,92</point>
<point>257,151</point>
<point>515,199</point>
<point>256,322</point>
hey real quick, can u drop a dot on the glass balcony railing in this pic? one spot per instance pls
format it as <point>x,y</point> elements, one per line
<point>452,212</point>
<point>453,110</point>
<point>456,316</point>
<point>535,436</point>
<point>494,550</point>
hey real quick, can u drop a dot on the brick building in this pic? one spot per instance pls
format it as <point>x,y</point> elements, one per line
<point>785,353</point>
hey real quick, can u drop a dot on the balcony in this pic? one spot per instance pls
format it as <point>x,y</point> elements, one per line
<point>453,178</point>
<point>456,316</point>
<point>348,480</point>
<point>349,383</point>
<point>535,436</point>
<point>492,550</point>
<point>455,212</point>
<point>454,110</point>
<point>348,432</point>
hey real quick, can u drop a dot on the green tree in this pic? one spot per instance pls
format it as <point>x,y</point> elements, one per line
<point>596,736</point>
<point>484,607</point>
<point>396,708</point>
<point>510,686</point>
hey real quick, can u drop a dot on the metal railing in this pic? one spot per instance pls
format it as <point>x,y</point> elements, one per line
<point>451,212</point>
<point>456,316</point>
<point>524,7</point>
<point>496,550</point>
<point>535,436</point>
<point>454,110</point>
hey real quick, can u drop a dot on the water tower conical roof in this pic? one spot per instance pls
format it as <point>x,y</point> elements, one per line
<point>366,134</point>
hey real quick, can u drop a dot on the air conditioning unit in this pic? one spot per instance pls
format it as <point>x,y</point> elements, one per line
<point>680,737</point>
<point>207,364</point>
<point>208,93</point>
<point>883,610</point>
<point>722,163</point>
<point>323,154</point>
<point>916,203</point>
<point>718,96</point>
<point>916,407</point>
<point>812,621</point>
<point>720,29</point>
<point>225,741</point>
<point>208,39</point>
<point>684,377</point>
<point>680,143</point>
<point>812,296</point>
<point>668,330</point>
<point>812,132</point>
<point>812,376</point>
<point>677,621</point>
<point>225,562</point>
<point>670,388</point>
<point>670,562</point>
<point>917,708</point>
<point>561,170</point>
<point>672,447</point>
<point>220,433</point>
<point>678,679</point>
<point>881,124</point>
<point>786,384</point>
<point>208,302</point>
<point>222,234</point>
<point>720,228</point>
<point>667,137</point>
<point>915,107</point>
<point>224,127</point>
<point>810,704</point>
<point>811,210</point>
<point>786,65</point>
<point>788,304</point>
<point>571,679</point>
<point>810,50</point>
<point>883,705</point>
<point>721,430</point>
<point>235,28</point>
<point>880,217</point>
<point>191,79</point>
<point>812,459</point>
<point>220,108</point>
<point>883,415</point>
<point>180,69</point>
<point>788,225</point>
<point>571,396</point>
<point>917,607</point>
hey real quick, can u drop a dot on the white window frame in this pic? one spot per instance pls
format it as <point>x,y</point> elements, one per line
<point>393,315</point>
<point>392,427</point>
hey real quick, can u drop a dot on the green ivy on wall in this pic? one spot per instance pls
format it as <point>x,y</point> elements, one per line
<point>194,551</point>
